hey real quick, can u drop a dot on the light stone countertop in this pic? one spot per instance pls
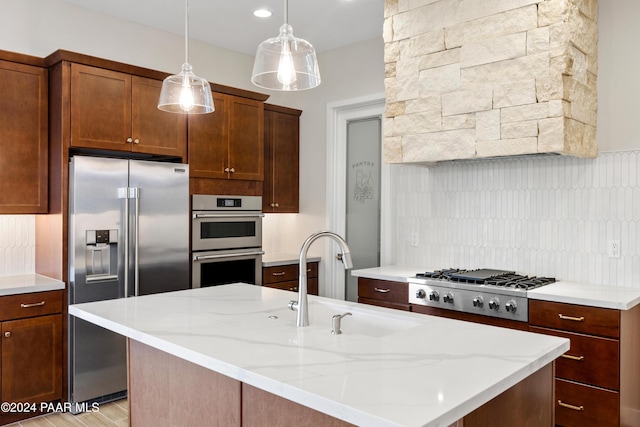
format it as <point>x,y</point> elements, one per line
<point>273,260</point>
<point>561,291</point>
<point>422,375</point>
<point>27,283</point>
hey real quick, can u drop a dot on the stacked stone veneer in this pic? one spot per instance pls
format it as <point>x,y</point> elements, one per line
<point>485,78</point>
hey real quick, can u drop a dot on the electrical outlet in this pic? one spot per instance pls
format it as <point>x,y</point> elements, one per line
<point>415,240</point>
<point>613,248</point>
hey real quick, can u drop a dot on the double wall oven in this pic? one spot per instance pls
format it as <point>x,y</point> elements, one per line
<point>226,240</point>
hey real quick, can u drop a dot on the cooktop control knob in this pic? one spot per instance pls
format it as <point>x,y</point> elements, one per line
<point>511,306</point>
<point>448,298</point>
<point>434,296</point>
<point>478,301</point>
<point>494,304</point>
<point>421,294</point>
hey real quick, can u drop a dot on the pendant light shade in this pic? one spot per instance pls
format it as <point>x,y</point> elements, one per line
<point>185,92</point>
<point>286,62</point>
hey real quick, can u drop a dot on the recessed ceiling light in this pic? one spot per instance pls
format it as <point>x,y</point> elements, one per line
<point>262,13</point>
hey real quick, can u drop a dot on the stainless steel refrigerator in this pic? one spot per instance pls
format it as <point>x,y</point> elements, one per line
<point>128,236</point>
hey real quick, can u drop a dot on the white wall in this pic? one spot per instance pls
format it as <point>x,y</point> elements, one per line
<point>39,27</point>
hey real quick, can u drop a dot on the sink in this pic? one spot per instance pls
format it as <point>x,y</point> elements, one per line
<point>361,322</point>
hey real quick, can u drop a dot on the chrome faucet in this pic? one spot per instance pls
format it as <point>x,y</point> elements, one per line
<point>302,318</point>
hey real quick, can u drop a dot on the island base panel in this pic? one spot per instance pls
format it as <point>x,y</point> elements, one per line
<point>527,404</point>
<point>260,408</point>
<point>167,390</point>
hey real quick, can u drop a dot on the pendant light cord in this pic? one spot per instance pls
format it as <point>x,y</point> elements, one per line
<point>286,11</point>
<point>186,32</point>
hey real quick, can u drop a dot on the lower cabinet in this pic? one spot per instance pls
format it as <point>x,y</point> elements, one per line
<point>384,293</point>
<point>31,345</point>
<point>597,379</point>
<point>286,277</point>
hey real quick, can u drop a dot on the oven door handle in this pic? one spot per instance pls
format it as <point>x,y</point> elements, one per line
<point>228,214</point>
<point>234,255</point>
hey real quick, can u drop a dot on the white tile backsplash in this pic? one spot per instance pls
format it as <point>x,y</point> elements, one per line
<point>17,244</point>
<point>547,215</point>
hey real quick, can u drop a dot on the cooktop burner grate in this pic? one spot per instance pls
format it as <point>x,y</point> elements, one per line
<point>488,277</point>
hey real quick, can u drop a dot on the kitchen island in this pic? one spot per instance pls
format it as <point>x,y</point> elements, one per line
<point>232,355</point>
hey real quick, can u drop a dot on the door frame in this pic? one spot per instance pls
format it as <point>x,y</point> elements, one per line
<point>338,115</point>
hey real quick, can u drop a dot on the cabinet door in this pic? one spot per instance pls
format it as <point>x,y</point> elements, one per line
<point>32,359</point>
<point>208,141</point>
<point>155,131</point>
<point>285,148</point>
<point>100,108</point>
<point>246,139</point>
<point>23,139</point>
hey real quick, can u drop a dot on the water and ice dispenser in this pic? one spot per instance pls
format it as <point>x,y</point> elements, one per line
<point>101,255</point>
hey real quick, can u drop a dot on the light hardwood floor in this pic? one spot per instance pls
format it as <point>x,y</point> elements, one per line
<point>113,414</point>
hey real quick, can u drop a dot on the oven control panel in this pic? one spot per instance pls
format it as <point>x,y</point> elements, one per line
<point>474,301</point>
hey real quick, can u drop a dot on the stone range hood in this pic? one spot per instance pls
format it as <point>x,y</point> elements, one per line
<point>468,79</point>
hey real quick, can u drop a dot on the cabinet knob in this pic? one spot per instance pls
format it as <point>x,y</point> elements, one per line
<point>226,169</point>
<point>7,334</point>
<point>232,170</point>
<point>273,205</point>
<point>277,205</point>
<point>129,140</point>
<point>136,141</point>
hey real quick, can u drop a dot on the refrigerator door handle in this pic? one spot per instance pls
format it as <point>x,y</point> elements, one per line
<point>134,193</point>
<point>123,193</point>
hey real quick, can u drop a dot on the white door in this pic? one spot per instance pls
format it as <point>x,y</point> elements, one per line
<point>342,116</point>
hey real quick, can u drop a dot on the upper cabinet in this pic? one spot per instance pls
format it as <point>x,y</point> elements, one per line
<point>23,138</point>
<point>280,191</point>
<point>112,110</point>
<point>227,145</point>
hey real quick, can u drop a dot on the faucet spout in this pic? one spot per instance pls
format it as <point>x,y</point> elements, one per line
<point>302,318</point>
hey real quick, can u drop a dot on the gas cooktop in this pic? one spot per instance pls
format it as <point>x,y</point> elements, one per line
<point>487,292</point>
<point>487,277</point>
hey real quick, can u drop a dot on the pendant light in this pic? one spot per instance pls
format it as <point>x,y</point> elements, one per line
<point>186,93</point>
<point>286,62</point>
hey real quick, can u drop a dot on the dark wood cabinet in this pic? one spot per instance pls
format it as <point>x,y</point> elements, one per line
<point>384,293</point>
<point>31,347</point>
<point>112,110</point>
<point>286,277</point>
<point>228,143</point>
<point>597,379</point>
<point>23,138</point>
<point>280,191</point>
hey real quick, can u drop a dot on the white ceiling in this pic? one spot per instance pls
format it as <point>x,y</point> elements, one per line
<point>326,24</point>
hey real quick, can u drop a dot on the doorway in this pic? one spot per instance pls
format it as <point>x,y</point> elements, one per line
<point>359,115</point>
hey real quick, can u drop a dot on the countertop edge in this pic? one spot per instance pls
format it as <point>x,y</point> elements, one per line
<point>28,283</point>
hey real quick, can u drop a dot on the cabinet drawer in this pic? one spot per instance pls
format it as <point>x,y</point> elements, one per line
<point>30,305</point>
<point>580,405</point>
<point>575,318</point>
<point>285,273</point>
<point>383,290</point>
<point>591,360</point>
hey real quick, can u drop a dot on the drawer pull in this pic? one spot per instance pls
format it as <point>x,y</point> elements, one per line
<point>566,405</point>
<point>282,273</point>
<point>575,319</point>
<point>382,291</point>
<point>35,304</point>
<point>577,358</point>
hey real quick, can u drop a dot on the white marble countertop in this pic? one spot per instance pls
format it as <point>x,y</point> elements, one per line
<point>27,283</point>
<point>560,291</point>
<point>273,260</point>
<point>426,370</point>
